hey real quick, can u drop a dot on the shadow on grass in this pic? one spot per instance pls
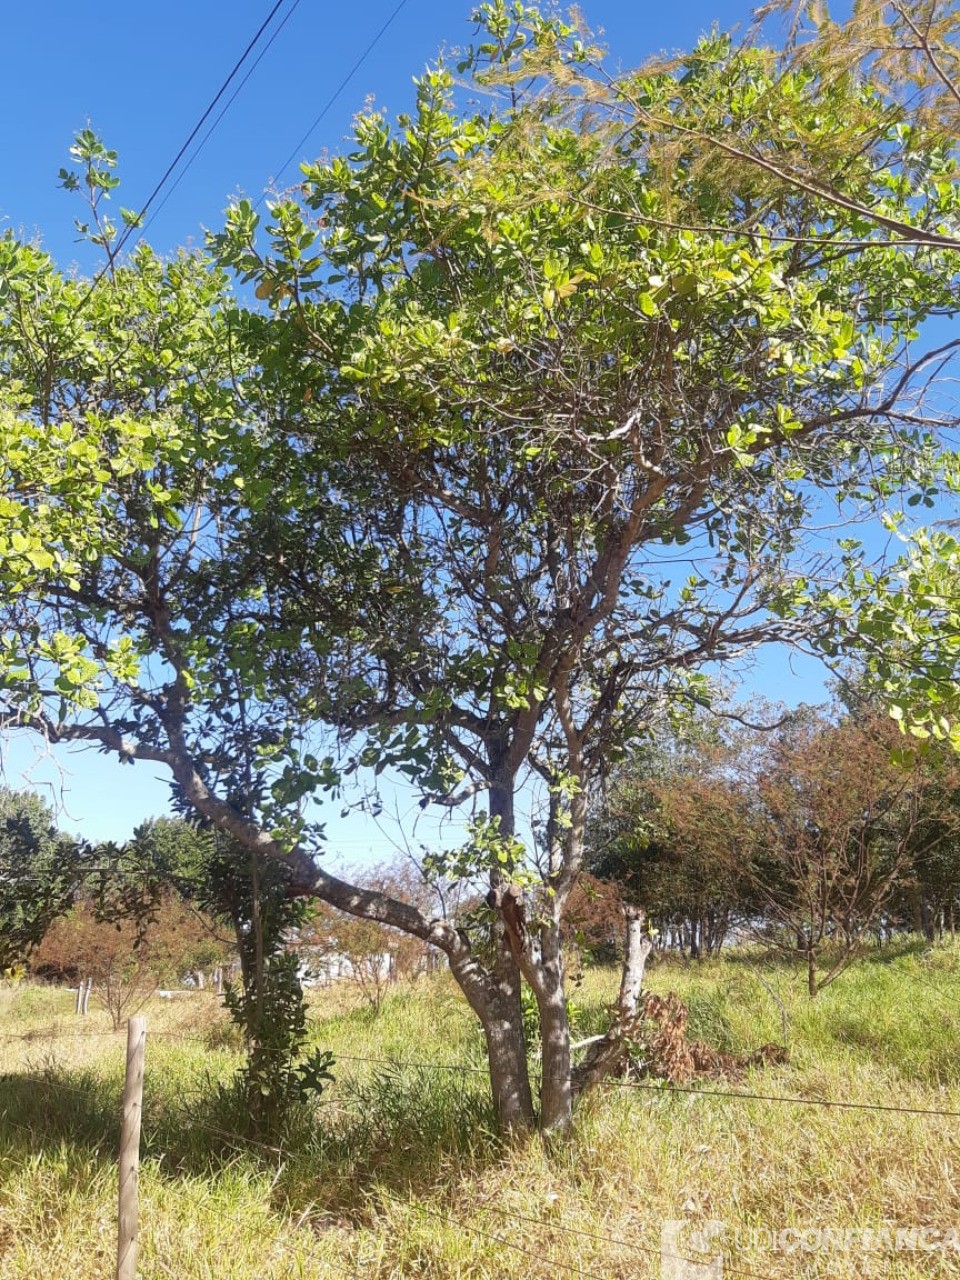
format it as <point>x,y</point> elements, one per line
<point>400,1129</point>
<point>50,1108</point>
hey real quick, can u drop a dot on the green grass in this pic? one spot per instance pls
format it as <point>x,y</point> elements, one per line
<point>398,1172</point>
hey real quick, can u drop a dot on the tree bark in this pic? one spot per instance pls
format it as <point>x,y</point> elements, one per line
<point>927,920</point>
<point>503,1027</point>
<point>556,1087</point>
<point>639,944</point>
<point>507,1060</point>
<point>916,913</point>
<point>608,1055</point>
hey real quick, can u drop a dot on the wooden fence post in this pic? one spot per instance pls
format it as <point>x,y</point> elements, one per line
<point>130,1149</point>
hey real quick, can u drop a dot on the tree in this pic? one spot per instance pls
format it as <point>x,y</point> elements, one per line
<point>676,831</point>
<point>429,500</point>
<point>901,57</point>
<point>268,1004</point>
<point>227,891</point>
<point>843,823</point>
<point>40,872</point>
<point>127,959</point>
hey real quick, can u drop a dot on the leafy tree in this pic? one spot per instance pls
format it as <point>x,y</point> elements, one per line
<point>40,872</point>
<point>905,623</point>
<point>126,959</point>
<point>764,140</point>
<point>429,501</point>
<point>268,1005</point>
<point>561,391</point>
<point>219,883</point>
<point>843,823</point>
<point>676,832</point>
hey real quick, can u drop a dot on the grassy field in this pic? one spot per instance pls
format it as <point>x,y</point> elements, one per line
<point>398,1172</point>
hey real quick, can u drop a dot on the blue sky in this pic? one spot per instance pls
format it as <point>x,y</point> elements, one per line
<point>141,75</point>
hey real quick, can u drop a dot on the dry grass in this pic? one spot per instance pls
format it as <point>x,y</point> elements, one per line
<point>399,1174</point>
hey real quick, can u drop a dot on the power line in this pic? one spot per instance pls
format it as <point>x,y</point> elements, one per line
<point>506,1242</point>
<point>337,92</point>
<point>223,111</point>
<point>471,1068</point>
<point>513,1215</point>
<point>125,236</point>
<point>462,1068</point>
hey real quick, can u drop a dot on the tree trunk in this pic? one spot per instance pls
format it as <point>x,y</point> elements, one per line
<point>497,1004</point>
<point>916,913</point>
<point>609,1054</point>
<point>695,948</point>
<point>811,971</point>
<point>503,1025</point>
<point>927,920</point>
<point>492,993</point>
<point>638,948</point>
<point>556,1089</point>
<point>509,1074</point>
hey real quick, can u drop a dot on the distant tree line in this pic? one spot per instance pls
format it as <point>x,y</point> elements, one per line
<point>812,837</point>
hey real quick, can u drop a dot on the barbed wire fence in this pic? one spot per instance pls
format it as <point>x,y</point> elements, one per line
<point>299,1231</point>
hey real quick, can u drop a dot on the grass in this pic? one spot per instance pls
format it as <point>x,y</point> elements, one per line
<point>399,1173</point>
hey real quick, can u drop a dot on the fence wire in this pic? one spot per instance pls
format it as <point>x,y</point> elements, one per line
<point>301,1233</point>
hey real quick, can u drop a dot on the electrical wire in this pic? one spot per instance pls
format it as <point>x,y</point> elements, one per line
<point>135,224</point>
<point>602,1238</point>
<point>223,111</point>
<point>788,1099</point>
<point>337,92</point>
<point>663,1089</point>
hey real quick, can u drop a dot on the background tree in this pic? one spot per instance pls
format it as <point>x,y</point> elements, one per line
<point>241,907</point>
<point>126,959</point>
<point>40,872</point>
<point>676,831</point>
<point>843,825</point>
<point>594,921</point>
